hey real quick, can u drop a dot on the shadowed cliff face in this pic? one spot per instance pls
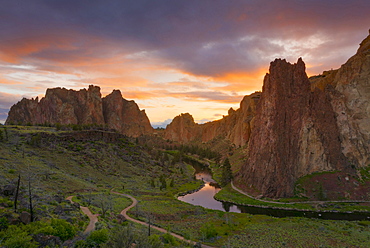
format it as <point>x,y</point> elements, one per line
<point>82,107</point>
<point>295,133</point>
<point>349,91</point>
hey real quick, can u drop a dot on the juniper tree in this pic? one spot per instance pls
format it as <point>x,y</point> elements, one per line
<point>227,174</point>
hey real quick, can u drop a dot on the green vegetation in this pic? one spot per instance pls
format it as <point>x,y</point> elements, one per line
<point>22,235</point>
<point>228,194</point>
<point>365,173</point>
<point>62,163</point>
<point>227,175</point>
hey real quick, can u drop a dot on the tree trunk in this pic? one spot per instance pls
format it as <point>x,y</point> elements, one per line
<point>16,193</point>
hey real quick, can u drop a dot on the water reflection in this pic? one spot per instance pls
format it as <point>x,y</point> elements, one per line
<point>204,198</point>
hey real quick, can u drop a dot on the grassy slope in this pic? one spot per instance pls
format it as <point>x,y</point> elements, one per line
<point>81,167</point>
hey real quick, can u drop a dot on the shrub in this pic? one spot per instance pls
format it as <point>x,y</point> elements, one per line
<point>20,240</point>
<point>208,231</point>
<point>63,229</point>
<point>16,237</point>
<point>169,239</point>
<point>3,223</point>
<point>98,237</point>
<point>155,241</point>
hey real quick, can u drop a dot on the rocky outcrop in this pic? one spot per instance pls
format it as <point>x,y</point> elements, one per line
<point>235,127</point>
<point>349,90</point>
<point>295,133</point>
<point>60,106</point>
<point>304,126</point>
<point>182,129</point>
<point>82,107</point>
<point>125,116</point>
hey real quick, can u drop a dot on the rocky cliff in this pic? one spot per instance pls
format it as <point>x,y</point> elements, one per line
<point>235,127</point>
<point>182,129</point>
<point>295,133</point>
<point>60,106</point>
<point>349,91</point>
<point>125,116</point>
<point>303,127</point>
<point>82,107</point>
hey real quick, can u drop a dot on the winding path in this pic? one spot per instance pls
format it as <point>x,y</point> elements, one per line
<point>93,217</point>
<point>290,203</point>
<point>134,202</point>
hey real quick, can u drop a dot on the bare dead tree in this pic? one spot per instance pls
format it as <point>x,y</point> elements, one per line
<point>16,193</point>
<point>105,203</point>
<point>30,199</point>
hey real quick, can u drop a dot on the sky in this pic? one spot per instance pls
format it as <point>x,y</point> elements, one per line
<point>171,57</point>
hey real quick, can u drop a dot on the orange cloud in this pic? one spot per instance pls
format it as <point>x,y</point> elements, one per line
<point>8,81</point>
<point>13,50</point>
<point>241,81</point>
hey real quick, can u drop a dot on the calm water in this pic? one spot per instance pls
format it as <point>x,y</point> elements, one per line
<point>204,198</point>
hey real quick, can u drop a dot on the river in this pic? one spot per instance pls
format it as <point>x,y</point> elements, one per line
<point>205,198</point>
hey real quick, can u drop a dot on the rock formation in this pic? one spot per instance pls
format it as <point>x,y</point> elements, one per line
<point>82,107</point>
<point>125,116</point>
<point>349,89</point>
<point>295,127</point>
<point>295,133</point>
<point>182,129</point>
<point>303,127</point>
<point>60,106</point>
<point>235,127</point>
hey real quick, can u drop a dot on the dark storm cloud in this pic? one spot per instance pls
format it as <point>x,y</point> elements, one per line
<point>209,37</point>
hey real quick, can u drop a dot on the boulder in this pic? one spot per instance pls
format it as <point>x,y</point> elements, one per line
<point>25,217</point>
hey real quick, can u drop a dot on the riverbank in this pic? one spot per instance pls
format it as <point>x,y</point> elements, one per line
<point>230,195</point>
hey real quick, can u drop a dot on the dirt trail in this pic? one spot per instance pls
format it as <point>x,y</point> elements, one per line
<point>93,217</point>
<point>290,203</point>
<point>134,202</point>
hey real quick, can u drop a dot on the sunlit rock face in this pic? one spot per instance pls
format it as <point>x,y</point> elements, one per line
<point>82,107</point>
<point>182,129</point>
<point>235,127</point>
<point>60,106</point>
<point>125,116</point>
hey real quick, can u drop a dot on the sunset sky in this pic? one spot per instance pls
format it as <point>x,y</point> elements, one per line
<point>170,56</point>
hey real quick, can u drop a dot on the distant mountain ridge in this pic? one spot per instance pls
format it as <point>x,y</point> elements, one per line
<point>82,107</point>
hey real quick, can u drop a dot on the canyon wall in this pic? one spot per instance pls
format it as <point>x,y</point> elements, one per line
<point>296,126</point>
<point>235,127</point>
<point>295,133</point>
<point>304,126</point>
<point>82,107</point>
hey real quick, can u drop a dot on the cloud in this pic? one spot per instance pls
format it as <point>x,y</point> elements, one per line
<point>201,37</point>
<point>204,120</point>
<point>216,96</point>
<point>6,101</point>
<point>211,50</point>
<point>3,115</point>
<point>161,124</point>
